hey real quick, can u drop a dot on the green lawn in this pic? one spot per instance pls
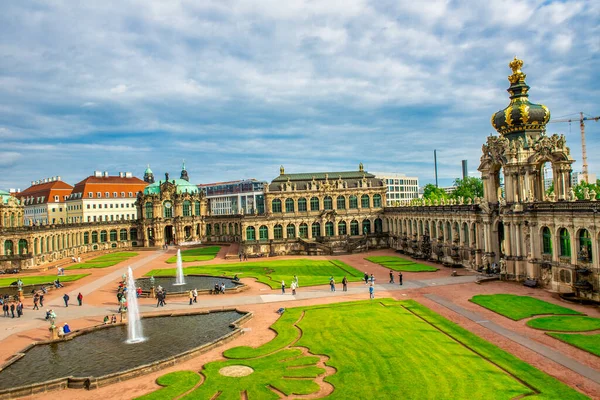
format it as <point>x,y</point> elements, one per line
<point>383,349</point>
<point>199,254</point>
<point>37,280</point>
<point>309,272</point>
<point>519,307</point>
<point>174,385</point>
<point>107,260</point>
<point>400,264</point>
<point>589,343</point>
<point>565,324</point>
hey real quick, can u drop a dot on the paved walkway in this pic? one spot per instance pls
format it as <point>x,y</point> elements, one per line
<point>539,348</point>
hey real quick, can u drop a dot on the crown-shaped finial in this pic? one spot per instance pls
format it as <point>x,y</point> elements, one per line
<point>517,75</point>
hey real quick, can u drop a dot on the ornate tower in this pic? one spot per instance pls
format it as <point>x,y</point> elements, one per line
<point>148,175</point>
<point>519,152</point>
<point>184,174</point>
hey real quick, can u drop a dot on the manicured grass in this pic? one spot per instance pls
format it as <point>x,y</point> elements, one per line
<point>400,264</point>
<point>565,324</point>
<point>589,343</point>
<point>107,260</point>
<point>383,349</point>
<point>519,307</point>
<point>175,384</point>
<point>38,280</point>
<point>199,254</point>
<point>309,272</point>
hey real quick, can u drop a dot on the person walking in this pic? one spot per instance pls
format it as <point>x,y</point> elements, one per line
<point>296,281</point>
<point>372,279</point>
<point>345,284</point>
<point>240,257</point>
<point>12,309</point>
<point>195,295</point>
<point>66,299</point>
<point>191,296</point>
<point>391,276</point>
<point>366,277</point>
<point>293,286</point>
<point>400,277</point>
<point>80,299</point>
<point>332,284</point>
<point>282,287</point>
<point>372,291</point>
<point>36,299</point>
<point>19,309</point>
<point>42,298</point>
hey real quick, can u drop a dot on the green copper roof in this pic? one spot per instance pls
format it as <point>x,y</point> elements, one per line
<point>4,196</point>
<point>183,186</point>
<point>148,170</point>
<point>321,176</point>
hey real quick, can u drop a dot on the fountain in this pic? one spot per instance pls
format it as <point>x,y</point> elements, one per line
<point>134,324</point>
<point>179,279</point>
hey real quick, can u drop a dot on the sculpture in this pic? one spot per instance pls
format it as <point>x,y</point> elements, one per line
<point>572,196</point>
<point>502,266</point>
<point>586,193</point>
<point>592,195</point>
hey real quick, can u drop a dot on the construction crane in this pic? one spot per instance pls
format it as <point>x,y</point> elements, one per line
<point>581,120</point>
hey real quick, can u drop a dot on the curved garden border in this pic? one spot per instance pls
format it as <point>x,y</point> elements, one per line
<point>240,287</point>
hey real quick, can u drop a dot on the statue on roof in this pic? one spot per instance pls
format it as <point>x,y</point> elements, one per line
<point>361,168</point>
<point>281,170</point>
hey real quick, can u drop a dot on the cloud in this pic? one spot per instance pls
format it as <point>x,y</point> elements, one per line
<point>119,89</point>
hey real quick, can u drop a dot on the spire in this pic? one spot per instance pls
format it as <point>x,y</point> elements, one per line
<point>183,165</point>
<point>184,174</point>
<point>148,175</point>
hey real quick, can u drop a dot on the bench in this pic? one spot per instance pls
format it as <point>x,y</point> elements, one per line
<point>530,283</point>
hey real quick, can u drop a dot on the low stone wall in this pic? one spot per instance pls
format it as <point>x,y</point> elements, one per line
<point>96,382</point>
<point>240,287</point>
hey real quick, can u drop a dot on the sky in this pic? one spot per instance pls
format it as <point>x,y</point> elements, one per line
<point>238,88</point>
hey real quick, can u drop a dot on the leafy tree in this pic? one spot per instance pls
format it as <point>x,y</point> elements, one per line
<point>468,188</point>
<point>431,192</point>
<point>581,186</point>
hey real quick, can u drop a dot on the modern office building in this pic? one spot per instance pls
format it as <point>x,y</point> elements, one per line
<point>235,197</point>
<point>399,186</point>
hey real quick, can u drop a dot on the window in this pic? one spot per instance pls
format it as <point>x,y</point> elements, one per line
<point>86,237</point>
<point>90,195</point>
<point>187,209</point>
<point>314,204</point>
<point>342,228</point>
<point>291,231</point>
<point>376,200</point>
<point>197,208</point>
<point>56,198</point>
<point>94,237</point>
<point>250,232</point>
<point>302,204</point>
<point>278,232</point>
<point>565,243</point>
<point>276,205</point>
<point>366,226</point>
<point>130,194</point>
<point>123,234</point>
<point>327,203</point>
<point>353,202</point>
<point>115,195</point>
<point>546,241</point>
<point>263,233</point>
<point>122,194</point>
<point>379,226</point>
<point>289,206</point>
<point>168,209</point>
<point>364,201</point>
<point>113,236</point>
<point>94,206</point>
<point>316,229</point>
<point>329,228</point>
<point>107,195</point>
<point>585,246</point>
<point>303,230</point>
<point>111,205</point>
<point>341,203</point>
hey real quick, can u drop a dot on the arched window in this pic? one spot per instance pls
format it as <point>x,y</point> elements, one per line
<point>217,229</point>
<point>291,231</point>
<point>103,236</point>
<point>379,226</point>
<point>364,201</point>
<point>224,229</point>
<point>289,205</point>
<point>8,247</point>
<point>187,209</point>
<point>303,230</point>
<point>22,246</point>
<point>376,201</point>
<point>276,205</point>
<point>314,204</point>
<point>585,246</point>
<point>113,235</point>
<point>36,251</point>
<point>466,234</point>
<point>329,228</point>
<point>94,237</point>
<point>12,220</point>
<point>263,232</point>
<point>123,234</point>
<point>366,226</point>
<point>354,229</point>
<point>546,241</point>
<point>197,208</point>
<point>342,228</point>
<point>149,210</point>
<point>316,229</point>
<point>341,203</point>
<point>327,203</point>
<point>278,232</point>
<point>250,233</point>
<point>302,204</point>
<point>133,234</point>
<point>86,238</point>
<point>209,229</point>
<point>565,242</point>
<point>448,231</point>
<point>353,202</point>
<point>168,209</point>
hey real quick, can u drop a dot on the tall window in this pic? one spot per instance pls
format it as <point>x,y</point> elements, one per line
<point>86,238</point>
<point>329,228</point>
<point>276,205</point>
<point>585,245</point>
<point>546,241</point>
<point>342,228</point>
<point>149,211</point>
<point>123,234</point>
<point>187,209</point>
<point>302,204</point>
<point>354,230</point>
<point>376,200</point>
<point>565,243</point>
<point>316,229</point>
<point>353,202</point>
<point>250,233</point>
<point>278,232</point>
<point>366,226</point>
<point>197,209</point>
<point>364,201</point>
<point>209,229</point>
<point>113,235</point>
<point>289,206</point>
<point>291,231</point>
<point>327,203</point>
<point>341,203</point>
<point>314,204</point>
<point>168,209</point>
<point>94,237</point>
<point>303,230</point>
<point>263,233</point>
<point>102,236</point>
<point>379,226</point>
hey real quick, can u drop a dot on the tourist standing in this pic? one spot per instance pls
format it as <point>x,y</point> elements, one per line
<point>332,284</point>
<point>372,279</point>
<point>66,299</point>
<point>80,299</point>
<point>400,277</point>
<point>366,278</point>
<point>36,299</point>
<point>240,257</point>
<point>372,291</point>
<point>345,284</point>
<point>42,297</point>
<point>391,276</point>
<point>19,309</point>
<point>12,309</point>
<point>106,320</point>
<point>296,280</point>
<point>195,295</point>
<point>191,296</point>
<point>282,287</point>
<point>293,286</point>
<point>5,309</point>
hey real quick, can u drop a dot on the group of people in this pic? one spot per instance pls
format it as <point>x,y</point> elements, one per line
<point>12,306</point>
<point>112,319</point>
<point>219,288</point>
<point>193,296</point>
<point>76,259</point>
<point>392,276</point>
<point>294,285</point>
<point>243,256</point>
<point>161,296</point>
<point>66,299</point>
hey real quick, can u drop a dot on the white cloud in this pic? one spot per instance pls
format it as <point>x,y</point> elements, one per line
<point>119,89</point>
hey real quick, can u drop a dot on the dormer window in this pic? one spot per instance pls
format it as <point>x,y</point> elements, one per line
<point>115,195</point>
<point>99,194</point>
<point>90,195</point>
<point>107,194</point>
<point>56,198</point>
<point>130,194</point>
<point>122,194</point>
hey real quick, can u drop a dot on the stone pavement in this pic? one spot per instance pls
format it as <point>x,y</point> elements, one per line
<point>539,348</point>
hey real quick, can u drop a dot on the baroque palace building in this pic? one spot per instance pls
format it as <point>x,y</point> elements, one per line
<point>552,238</point>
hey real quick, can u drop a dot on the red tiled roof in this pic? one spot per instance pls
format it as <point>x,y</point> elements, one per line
<point>47,191</point>
<point>110,184</point>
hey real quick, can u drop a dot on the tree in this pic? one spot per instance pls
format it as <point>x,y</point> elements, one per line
<point>550,189</point>
<point>431,192</point>
<point>581,186</point>
<point>468,188</point>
